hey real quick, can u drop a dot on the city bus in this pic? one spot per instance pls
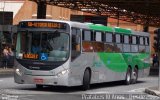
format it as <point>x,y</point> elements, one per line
<point>66,53</point>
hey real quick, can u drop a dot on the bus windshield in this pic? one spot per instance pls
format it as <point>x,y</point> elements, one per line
<point>42,46</point>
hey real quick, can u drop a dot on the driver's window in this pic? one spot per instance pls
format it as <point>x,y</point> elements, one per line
<point>76,39</point>
<point>76,47</point>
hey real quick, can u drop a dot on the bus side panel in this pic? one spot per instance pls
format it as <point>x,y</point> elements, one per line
<point>113,67</point>
<point>104,68</point>
<point>78,66</point>
<point>107,67</point>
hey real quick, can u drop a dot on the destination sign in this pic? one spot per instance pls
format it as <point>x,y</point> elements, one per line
<point>30,56</point>
<point>42,24</point>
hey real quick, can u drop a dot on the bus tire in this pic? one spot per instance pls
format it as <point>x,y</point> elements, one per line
<point>86,80</point>
<point>39,86</point>
<point>135,75</point>
<point>128,76</point>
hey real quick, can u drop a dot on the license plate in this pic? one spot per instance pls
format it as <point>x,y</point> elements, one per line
<point>38,81</point>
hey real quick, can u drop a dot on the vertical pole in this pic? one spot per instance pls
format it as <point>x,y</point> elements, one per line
<point>158,44</point>
<point>145,28</point>
<point>41,10</point>
<point>118,14</point>
<point>159,72</point>
<point>12,35</point>
<point>3,14</point>
<point>118,19</point>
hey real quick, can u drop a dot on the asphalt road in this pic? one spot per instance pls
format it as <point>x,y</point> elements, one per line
<point>106,91</point>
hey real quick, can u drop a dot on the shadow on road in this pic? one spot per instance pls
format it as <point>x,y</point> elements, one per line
<point>62,89</point>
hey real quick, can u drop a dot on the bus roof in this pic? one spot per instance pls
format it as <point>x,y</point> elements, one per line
<point>100,27</point>
<point>140,33</point>
<point>78,24</point>
<point>72,23</point>
<point>122,31</point>
<point>94,27</point>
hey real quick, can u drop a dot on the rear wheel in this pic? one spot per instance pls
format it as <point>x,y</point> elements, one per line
<point>86,80</point>
<point>134,75</point>
<point>128,77</point>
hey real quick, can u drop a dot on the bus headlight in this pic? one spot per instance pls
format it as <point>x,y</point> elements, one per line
<point>18,72</point>
<point>62,72</point>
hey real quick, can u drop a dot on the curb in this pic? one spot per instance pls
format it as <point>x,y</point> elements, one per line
<point>6,72</point>
<point>152,92</point>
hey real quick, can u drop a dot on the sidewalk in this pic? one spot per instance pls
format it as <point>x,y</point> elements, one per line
<point>8,71</point>
<point>153,91</point>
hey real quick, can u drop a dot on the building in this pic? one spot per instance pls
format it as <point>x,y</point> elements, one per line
<point>24,9</point>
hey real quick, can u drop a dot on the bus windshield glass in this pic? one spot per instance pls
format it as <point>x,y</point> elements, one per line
<point>42,46</point>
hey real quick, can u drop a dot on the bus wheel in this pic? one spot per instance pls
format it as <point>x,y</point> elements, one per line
<point>86,80</point>
<point>39,86</point>
<point>134,75</point>
<point>128,77</point>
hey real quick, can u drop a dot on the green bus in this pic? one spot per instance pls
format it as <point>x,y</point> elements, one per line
<point>79,54</point>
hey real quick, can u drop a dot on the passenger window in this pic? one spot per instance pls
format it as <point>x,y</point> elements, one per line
<point>118,38</point>
<point>146,41</point>
<point>108,37</point>
<point>133,39</point>
<point>141,41</point>
<point>98,36</point>
<point>126,39</point>
<point>87,35</point>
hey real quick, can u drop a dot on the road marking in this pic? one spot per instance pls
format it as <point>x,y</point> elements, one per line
<point>137,90</point>
<point>1,80</point>
<point>97,92</point>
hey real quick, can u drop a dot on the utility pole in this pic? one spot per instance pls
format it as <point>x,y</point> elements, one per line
<point>41,10</point>
<point>157,49</point>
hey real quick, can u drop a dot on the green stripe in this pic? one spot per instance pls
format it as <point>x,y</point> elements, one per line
<point>114,61</point>
<point>118,62</point>
<point>109,29</point>
<point>123,31</point>
<point>100,27</point>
